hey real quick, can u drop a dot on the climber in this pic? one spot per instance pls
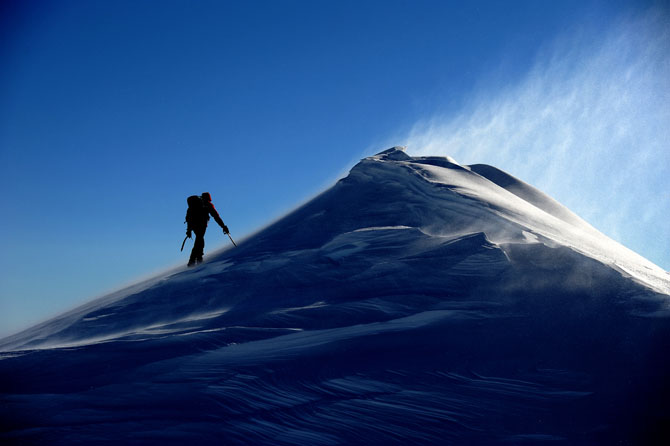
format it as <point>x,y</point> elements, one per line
<point>197,216</point>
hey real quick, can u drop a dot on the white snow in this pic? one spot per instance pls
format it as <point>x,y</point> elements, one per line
<point>417,300</point>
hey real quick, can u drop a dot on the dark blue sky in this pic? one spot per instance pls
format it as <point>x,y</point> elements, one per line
<point>112,112</point>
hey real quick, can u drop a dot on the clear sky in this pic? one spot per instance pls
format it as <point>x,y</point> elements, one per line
<point>113,112</point>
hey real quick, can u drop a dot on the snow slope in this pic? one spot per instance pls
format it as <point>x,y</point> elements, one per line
<point>417,301</point>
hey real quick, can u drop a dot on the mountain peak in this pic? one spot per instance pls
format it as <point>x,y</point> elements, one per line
<point>408,301</point>
<point>394,153</point>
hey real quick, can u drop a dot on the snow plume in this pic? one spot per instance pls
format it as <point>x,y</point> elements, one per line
<point>589,124</point>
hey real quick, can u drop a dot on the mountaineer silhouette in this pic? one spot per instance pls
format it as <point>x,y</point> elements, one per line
<point>197,216</point>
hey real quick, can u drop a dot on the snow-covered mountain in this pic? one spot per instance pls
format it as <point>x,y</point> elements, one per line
<point>417,301</point>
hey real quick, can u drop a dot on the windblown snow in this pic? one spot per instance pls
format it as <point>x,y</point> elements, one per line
<point>417,301</point>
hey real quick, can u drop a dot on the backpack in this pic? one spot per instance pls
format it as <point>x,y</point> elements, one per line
<point>196,214</point>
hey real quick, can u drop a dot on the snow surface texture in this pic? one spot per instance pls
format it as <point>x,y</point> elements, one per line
<point>417,301</point>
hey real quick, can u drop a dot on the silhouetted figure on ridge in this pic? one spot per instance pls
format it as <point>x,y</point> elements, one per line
<point>197,216</point>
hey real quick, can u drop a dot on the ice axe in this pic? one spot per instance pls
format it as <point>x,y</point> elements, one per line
<point>183,243</point>
<point>231,239</point>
